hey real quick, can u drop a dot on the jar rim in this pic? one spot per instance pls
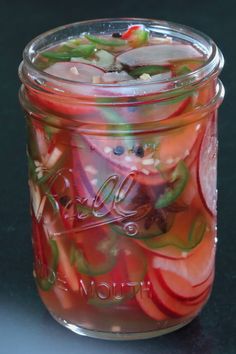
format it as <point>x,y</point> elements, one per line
<point>212,66</point>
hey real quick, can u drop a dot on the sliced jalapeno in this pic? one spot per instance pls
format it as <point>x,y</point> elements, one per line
<point>106,42</point>
<point>108,247</point>
<point>177,183</point>
<point>195,236</point>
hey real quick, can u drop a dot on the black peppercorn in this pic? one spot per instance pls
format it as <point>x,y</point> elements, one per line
<point>139,151</point>
<point>116,35</point>
<point>118,150</point>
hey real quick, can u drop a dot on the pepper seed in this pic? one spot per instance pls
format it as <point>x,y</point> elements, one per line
<point>119,150</point>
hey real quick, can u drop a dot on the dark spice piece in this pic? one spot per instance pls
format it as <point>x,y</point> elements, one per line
<point>65,201</point>
<point>116,35</point>
<point>139,151</point>
<point>156,216</point>
<point>119,150</point>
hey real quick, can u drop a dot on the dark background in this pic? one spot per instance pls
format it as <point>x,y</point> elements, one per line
<point>25,326</point>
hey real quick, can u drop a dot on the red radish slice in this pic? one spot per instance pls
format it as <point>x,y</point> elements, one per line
<point>167,303</point>
<point>61,105</point>
<point>160,54</point>
<point>76,75</point>
<point>79,72</point>
<point>207,169</point>
<point>179,287</point>
<point>150,308</point>
<point>196,268</point>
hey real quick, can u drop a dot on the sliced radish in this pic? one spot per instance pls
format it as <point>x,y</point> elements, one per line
<point>61,105</point>
<point>196,268</point>
<point>79,72</point>
<point>179,287</point>
<point>150,308</point>
<point>161,54</point>
<point>167,303</point>
<point>207,169</point>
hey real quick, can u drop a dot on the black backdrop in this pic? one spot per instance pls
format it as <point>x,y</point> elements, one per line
<point>25,326</point>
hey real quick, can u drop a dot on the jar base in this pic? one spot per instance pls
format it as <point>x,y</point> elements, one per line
<point>118,336</point>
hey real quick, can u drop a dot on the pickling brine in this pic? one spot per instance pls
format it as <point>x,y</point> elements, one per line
<point>122,152</point>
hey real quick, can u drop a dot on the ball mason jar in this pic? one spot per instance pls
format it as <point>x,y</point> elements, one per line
<point>122,179</point>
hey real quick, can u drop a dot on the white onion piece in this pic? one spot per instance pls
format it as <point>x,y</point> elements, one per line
<point>160,54</point>
<point>115,77</point>
<point>149,86</point>
<point>104,59</point>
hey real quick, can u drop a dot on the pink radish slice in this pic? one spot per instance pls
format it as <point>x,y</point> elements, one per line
<point>150,308</point>
<point>167,303</point>
<point>207,169</point>
<point>179,287</point>
<point>160,54</point>
<point>153,112</point>
<point>76,74</point>
<point>196,268</point>
<point>79,72</point>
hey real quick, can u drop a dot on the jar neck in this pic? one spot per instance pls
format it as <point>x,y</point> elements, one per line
<point>37,79</point>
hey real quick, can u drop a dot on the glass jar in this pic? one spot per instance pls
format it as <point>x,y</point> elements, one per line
<point>122,181</point>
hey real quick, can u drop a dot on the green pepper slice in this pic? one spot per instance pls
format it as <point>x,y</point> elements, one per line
<point>47,283</point>
<point>106,42</point>
<point>195,236</point>
<point>108,247</point>
<point>82,51</point>
<point>178,182</point>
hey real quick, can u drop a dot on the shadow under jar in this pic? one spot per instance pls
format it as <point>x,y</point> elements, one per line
<point>122,151</point>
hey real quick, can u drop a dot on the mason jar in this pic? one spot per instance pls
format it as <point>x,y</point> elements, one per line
<point>122,179</point>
